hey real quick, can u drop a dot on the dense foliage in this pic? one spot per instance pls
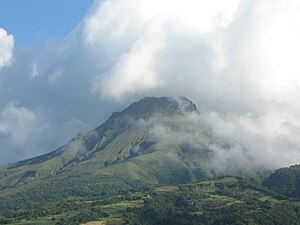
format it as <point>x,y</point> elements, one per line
<point>285,181</point>
<point>220,201</point>
<point>217,203</point>
<point>61,195</point>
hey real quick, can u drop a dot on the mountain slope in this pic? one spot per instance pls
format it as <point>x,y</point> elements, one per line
<point>285,181</point>
<point>129,143</point>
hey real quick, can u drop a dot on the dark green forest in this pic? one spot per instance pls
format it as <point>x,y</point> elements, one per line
<point>226,200</point>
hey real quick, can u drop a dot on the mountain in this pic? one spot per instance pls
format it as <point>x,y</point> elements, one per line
<point>137,142</point>
<point>148,164</point>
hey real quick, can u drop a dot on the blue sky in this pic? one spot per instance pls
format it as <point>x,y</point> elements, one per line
<point>35,21</point>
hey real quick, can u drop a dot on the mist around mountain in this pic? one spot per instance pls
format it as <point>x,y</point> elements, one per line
<point>158,140</point>
<point>155,162</point>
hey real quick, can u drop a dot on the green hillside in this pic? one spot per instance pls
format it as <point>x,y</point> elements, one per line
<point>285,181</point>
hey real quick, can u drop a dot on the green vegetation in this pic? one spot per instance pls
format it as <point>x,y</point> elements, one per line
<point>221,201</point>
<point>285,181</point>
<point>227,200</point>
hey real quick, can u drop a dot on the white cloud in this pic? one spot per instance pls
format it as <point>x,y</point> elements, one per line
<point>6,48</point>
<point>18,123</point>
<point>27,133</point>
<point>270,140</point>
<point>236,144</point>
<point>133,73</point>
<point>137,33</point>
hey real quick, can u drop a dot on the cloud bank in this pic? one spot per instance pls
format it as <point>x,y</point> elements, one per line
<point>237,60</point>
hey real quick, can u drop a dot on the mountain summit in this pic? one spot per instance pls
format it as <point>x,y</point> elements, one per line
<point>148,106</point>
